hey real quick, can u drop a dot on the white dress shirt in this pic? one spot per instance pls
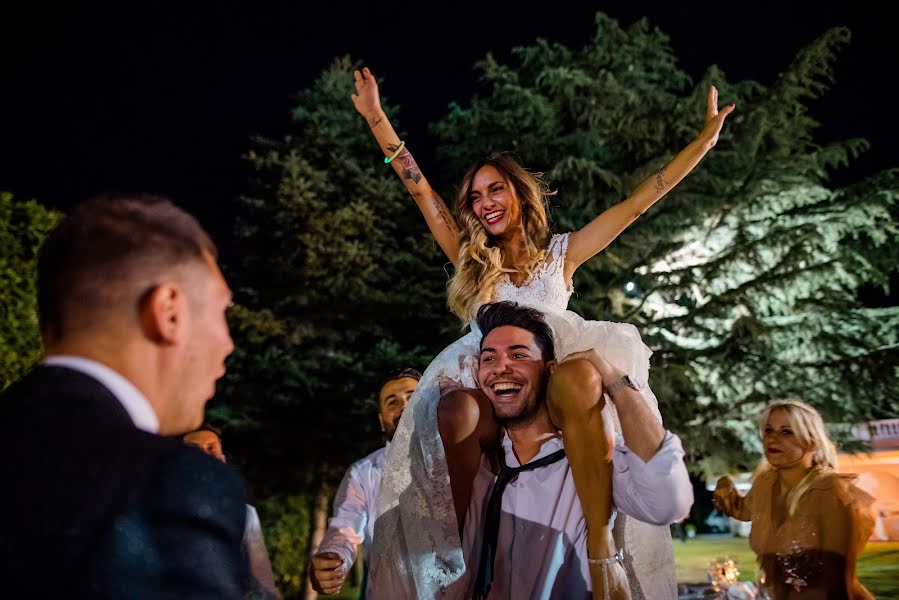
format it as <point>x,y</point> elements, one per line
<point>355,507</point>
<point>542,545</point>
<point>131,398</point>
<point>262,580</point>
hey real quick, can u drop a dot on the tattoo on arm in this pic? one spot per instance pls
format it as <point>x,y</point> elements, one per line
<point>659,184</point>
<point>374,122</point>
<point>410,167</point>
<point>440,207</point>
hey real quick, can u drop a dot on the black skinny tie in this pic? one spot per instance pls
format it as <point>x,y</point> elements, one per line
<point>491,526</point>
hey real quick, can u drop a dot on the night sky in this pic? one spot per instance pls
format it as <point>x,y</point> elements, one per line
<point>164,97</point>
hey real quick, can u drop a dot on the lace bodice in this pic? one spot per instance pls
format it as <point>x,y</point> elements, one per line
<point>546,288</point>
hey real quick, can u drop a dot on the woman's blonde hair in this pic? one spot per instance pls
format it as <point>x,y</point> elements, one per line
<point>808,427</point>
<point>480,264</point>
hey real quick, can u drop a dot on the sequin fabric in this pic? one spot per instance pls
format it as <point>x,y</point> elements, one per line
<point>832,521</point>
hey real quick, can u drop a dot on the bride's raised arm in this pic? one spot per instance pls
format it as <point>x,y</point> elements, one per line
<point>602,231</point>
<point>438,217</point>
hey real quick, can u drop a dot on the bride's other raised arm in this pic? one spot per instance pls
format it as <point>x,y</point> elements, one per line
<point>602,231</point>
<point>440,221</point>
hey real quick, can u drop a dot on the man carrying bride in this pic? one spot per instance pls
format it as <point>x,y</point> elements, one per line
<point>524,534</point>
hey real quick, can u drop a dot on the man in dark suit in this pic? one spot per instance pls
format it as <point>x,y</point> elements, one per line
<point>96,502</point>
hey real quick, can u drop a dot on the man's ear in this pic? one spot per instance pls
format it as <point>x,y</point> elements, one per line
<point>551,366</point>
<point>162,313</point>
<point>381,421</point>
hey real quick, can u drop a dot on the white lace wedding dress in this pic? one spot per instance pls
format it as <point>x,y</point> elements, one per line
<point>417,552</point>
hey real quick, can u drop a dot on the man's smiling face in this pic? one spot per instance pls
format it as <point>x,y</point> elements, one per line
<point>513,374</point>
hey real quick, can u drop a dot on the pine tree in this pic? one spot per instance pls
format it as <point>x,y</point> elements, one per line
<point>744,280</point>
<point>337,280</point>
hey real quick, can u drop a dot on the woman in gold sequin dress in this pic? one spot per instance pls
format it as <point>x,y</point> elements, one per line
<point>809,523</point>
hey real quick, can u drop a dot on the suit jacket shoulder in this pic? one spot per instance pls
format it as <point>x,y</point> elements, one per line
<point>184,535</point>
<point>80,479</point>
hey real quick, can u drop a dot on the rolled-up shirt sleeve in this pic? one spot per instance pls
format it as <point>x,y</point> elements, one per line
<point>346,529</point>
<point>657,491</point>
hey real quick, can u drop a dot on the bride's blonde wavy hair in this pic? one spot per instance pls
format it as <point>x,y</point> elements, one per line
<point>480,263</point>
<point>808,427</point>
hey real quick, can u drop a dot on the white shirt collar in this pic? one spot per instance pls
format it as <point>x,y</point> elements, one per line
<point>547,448</point>
<point>131,398</point>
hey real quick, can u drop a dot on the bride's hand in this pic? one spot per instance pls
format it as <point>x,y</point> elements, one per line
<point>367,99</point>
<point>714,119</point>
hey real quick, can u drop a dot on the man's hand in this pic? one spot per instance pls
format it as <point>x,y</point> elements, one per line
<point>448,385</point>
<point>619,588</point>
<point>328,574</point>
<point>612,579</point>
<point>609,372</point>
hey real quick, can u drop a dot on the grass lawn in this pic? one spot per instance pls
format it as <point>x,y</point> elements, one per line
<point>347,593</point>
<point>878,566</point>
<point>693,557</point>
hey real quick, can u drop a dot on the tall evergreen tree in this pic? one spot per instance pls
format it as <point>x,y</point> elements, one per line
<point>744,280</point>
<point>336,280</point>
<point>23,228</point>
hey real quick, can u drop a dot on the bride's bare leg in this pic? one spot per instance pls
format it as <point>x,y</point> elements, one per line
<point>468,428</point>
<point>575,402</point>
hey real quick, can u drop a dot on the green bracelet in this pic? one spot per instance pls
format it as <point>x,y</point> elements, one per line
<point>398,150</point>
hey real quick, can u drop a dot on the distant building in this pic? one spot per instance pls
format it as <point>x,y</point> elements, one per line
<point>878,473</point>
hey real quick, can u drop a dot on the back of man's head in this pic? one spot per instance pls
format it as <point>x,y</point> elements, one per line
<point>97,265</point>
<point>511,314</point>
<point>208,439</point>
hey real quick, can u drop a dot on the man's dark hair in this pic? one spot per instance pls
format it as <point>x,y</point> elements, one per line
<point>503,314</point>
<point>102,255</point>
<point>206,427</point>
<point>401,373</point>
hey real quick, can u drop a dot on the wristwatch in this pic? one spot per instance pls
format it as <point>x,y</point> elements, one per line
<point>626,381</point>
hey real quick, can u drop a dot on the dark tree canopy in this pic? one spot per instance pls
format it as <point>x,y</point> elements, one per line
<point>744,280</point>
<point>23,228</point>
<point>337,282</point>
